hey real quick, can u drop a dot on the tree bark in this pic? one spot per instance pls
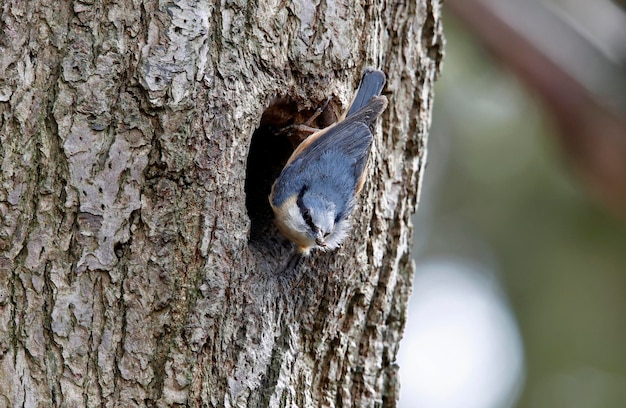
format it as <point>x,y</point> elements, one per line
<point>138,261</point>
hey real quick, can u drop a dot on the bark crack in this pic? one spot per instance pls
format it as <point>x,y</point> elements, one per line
<point>92,353</point>
<point>119,350</point>
<point>54,357</point>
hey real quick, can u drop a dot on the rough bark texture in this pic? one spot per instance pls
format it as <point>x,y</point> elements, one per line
<point>131,273</point>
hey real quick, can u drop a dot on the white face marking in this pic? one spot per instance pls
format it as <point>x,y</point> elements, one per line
<point>338,235</point>
<point>291,224</point>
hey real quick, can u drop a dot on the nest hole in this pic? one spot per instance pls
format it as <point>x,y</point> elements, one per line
<point>271,145</point>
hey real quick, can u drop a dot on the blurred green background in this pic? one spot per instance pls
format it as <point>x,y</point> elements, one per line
<point>498,191</point>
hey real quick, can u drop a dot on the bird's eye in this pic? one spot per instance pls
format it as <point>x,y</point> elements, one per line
<point>306,215</point>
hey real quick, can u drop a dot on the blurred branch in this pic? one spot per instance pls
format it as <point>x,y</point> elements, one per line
<point>592,135</point>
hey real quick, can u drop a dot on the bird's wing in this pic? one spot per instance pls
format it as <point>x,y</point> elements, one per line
<point>339,153</point>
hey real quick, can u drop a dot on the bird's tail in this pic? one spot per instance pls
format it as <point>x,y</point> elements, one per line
<point>371,85</point>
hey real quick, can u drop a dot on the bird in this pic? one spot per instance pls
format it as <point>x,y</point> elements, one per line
<point>315,193</point>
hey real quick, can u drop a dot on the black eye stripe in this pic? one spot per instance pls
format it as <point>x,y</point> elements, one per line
<point>308,219</point>
<point>299,200</point>
<point>306,215</point>
<point>338,218</point>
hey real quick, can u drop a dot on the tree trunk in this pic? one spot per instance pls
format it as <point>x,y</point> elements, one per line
<point>139,263</point>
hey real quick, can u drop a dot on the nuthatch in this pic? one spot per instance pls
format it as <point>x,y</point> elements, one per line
<point>314,195</point>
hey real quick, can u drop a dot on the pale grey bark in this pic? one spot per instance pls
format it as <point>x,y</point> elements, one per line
<point>127,273</point>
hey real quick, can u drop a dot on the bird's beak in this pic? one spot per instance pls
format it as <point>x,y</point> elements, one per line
<point>319,240</point>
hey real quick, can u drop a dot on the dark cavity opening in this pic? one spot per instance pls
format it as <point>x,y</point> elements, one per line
<point>272,144</point>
